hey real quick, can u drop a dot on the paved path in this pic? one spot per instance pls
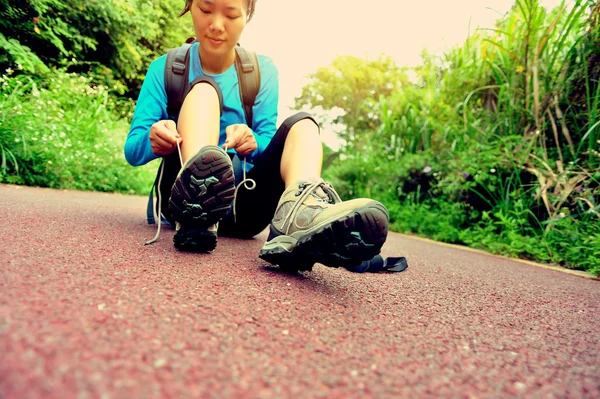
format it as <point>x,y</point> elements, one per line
<point>86,311</point>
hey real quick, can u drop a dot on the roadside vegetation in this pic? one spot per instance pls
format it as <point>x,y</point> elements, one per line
<point>494,144</point>
<point>70,73</point>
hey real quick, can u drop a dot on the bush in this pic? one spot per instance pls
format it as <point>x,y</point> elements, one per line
<point>495,143</point>
<point>117,37</point>
<point>68,135</point>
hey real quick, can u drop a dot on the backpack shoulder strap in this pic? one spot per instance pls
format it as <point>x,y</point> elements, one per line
<point>176,77</point>
<point>248,71</point>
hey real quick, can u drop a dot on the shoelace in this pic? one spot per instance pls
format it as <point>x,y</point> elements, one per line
<point>306,190</point>
<point>244,181</point>
<point>158,218</point>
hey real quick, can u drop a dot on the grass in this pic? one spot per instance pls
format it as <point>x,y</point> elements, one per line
<point>66,135</point>
<point>496,145</point>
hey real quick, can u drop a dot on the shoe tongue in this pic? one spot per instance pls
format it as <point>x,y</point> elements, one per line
<point>320,194</point>
<point>317,193</point>
<point>323,192</point>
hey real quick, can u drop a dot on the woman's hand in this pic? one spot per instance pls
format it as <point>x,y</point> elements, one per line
<point>240,138</point>
<point>164,137</point>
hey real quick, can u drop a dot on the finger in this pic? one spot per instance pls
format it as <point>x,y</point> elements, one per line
<point>233,136</point>
<point>169,124</point>
<point>162,147</point>
<point>228,134</point>
<point>167,135</point>
<point>242,129</point>
<point>243,133</point>
<point>246,148</point>
<point>247,141</point>
<point>229,130</point>
<point>172,127</point>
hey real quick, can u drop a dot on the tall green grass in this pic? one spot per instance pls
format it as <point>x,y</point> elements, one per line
<point>67,134</point>
<point>496,145</point>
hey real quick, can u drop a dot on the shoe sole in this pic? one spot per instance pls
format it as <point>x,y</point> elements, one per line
<point>202,194</point>
<point>200,241</point>
<point>347,241</point>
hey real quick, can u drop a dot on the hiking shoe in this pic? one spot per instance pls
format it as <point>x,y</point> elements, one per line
<point>194,239</point>
<point>313,225</point>
<point>201,196</point>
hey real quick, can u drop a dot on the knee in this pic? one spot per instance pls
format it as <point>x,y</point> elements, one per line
<point>206,88</point>
<point>303,122</point>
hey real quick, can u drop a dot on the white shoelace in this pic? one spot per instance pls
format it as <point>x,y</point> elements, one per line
<point>158,218</point>
<point>307,190</point>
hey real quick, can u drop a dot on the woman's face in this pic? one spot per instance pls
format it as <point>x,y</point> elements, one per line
<point>218,25</point>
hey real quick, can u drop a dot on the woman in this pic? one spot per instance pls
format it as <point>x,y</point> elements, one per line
<point>308,221</point>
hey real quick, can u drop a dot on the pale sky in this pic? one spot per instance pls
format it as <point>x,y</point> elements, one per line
<point>303,35</point>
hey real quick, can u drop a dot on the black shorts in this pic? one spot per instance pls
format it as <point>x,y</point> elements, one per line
<point>254,208</point>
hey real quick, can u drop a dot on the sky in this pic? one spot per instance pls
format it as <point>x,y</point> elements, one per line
<point>303,35</point>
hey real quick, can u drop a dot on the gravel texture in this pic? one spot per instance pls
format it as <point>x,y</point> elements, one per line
<point>88,311</point>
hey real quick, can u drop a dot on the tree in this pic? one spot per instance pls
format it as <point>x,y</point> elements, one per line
<point>120,36</point>
<point>355,86</point>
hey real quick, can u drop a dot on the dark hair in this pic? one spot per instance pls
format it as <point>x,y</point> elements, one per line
<point>250,11</point>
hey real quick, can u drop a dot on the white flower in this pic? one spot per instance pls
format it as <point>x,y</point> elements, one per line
<point>9,71</point>
<point>492,170</point>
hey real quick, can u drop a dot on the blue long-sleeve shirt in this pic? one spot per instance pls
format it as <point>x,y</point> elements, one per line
<point>151,106</point>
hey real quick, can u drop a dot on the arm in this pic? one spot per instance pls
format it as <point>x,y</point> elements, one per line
<point>151,107</point>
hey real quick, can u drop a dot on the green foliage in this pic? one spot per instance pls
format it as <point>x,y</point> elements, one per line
<point>352,86</point>
<point>117,37</point>
<point>69,135</point>
<point>495,144</point>
<point>21,56</point>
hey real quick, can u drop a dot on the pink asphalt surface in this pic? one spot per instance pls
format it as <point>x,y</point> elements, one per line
<point>88,311</point>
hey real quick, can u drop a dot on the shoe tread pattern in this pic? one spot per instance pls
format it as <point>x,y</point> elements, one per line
<point>196,241</point>
<point>204,192</point>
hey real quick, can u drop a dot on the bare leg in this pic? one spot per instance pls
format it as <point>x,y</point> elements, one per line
<point>204,189</point>
<point>302,154</point>
<point>199,120</point>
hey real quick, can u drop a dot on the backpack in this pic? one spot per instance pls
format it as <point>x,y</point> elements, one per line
<point>177,79</point>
